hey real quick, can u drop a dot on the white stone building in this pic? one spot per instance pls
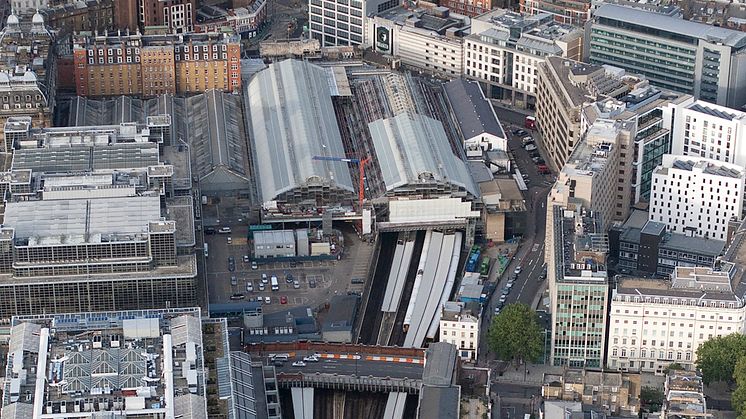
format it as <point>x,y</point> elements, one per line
<point>505,48</point>
<point>704,129</point>
<point>459,325</point>
<point>697,196</point>
<point>655,322</point>
<point>341,22</point>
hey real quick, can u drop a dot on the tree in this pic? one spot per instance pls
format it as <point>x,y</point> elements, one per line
<point>718,356</point>
<point>515,334</point>
<point>674,366</point>
<point>738,398</point>
<point>651,399</point>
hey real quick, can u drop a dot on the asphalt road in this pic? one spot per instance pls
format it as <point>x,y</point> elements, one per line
<point>530,256</point>
<point>360,368</point>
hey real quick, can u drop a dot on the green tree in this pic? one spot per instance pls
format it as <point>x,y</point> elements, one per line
<point>738,398</point>
<point>651,399</point>
<point>515,334</point>
<point>717,357</point>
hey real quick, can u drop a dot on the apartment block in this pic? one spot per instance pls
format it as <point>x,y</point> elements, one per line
<point>151,65</point>
<point>656,322</point>
<point>592,176</point>
<point>644,247</point>
<point>341,22</point>
<point>565,87</point>
<point>696,196</point>
<point>578,287</point>
<point>470,8</point>
<point>243,20</point>
<point>105,362</point>
<point>703,129</point>
<point>505,48</point>
<point>28,71</point>
<point>179,16</point>
<point>684,56</point>
<point>648,114</point>
<point>89,222</point>
<point>430,40</point>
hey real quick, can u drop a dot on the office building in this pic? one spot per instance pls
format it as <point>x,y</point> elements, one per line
<point>505,48</point>
<point>89,224</point>
<point>644,247</point>
<point>592,175</point>
<point>149,364</point>
<point>430,40</point>
<point>575,12</point>
<point>648,114</point>
<point>28,71</point>
<point>657,322</point>
<point>675,54</point>
<point>151,65</point>
<point>340,22</point>
<point>459,326</point>
<point>696,196</point>
<point>578,287</point>
<point>703,129</point>
<point>471,8</point>
<point>684,396</point>
<point>565,87</point>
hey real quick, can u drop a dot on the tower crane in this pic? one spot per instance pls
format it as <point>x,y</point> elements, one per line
<point>361,165</point>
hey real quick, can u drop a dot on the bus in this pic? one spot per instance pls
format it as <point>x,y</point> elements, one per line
<point>530,122</point>
<point>275,285</point>
<point>206,251</point>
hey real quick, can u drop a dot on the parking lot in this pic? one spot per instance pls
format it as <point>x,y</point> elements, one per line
<point>318,281</point>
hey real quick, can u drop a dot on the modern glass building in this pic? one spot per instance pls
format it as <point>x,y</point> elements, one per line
<point>705,61</point>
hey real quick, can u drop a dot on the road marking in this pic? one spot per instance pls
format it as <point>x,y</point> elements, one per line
<point>530,274</point>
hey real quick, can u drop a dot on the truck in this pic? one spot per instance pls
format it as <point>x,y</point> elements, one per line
<point>484,268</point>
<point>530,122</point>
<point>275,284</point>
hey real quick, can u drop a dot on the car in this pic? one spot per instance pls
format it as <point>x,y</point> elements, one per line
<point>250,286</point>
<point>283,299</point>
<point>357,281</point>
<point>296,284</point>
<point>503,298</point>
<point>311,358</point>
<point>299,364</point>
<point>245,258</point>
<point>527,140</point>
<point>234,280</point>
<point>237,296</point>
<point>289,278</point>
<point>210,230</point>
<point>230,240</point>
<point>231,264</point>
<point>519,132</point>
<point>517,270</point>
<point>497,310</point>
<point>267,300</point>
<point>510,285</point>
<point>261,287</point>
<point>254,266</point>
<point>530,147</point>
<point>264,279</point>
<point>224,230</point>
<point>311,283</point>
<point>524,175</point>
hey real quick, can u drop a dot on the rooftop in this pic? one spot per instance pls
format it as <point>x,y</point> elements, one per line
<point>438,20</point>
<point>584,245</point>
<point>722,112</point>
<point>589,157</point>
<point>341,315</point>
<point>679,291</point>
<point>528,32</point>
<point>671,27</point>
<point>583,82</point>
<point>699,165</point>
<point>474,113</point>
<point>129,361</point>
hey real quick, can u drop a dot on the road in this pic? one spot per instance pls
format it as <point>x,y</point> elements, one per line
<point>361,367</point>
<point>530,256</point>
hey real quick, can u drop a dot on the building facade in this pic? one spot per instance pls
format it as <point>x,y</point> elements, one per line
<point>505,48</point>
<point>696,196</point>
<point>656,322</point>
<point>341,22</point>
<point>459,325</point>
<point>578,287</point>
<point>430,40</point>
<point>565,86</point>
<point>574,12</point>
<point>688,57</point>
<point>704,129</point>
<point>150,65</point>
<point>644,247</point>
<point>179,16</point>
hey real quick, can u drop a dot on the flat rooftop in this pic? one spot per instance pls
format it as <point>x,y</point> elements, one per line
<point>663,288</point>
<point>78,221</point>
<point>584,245</point>
<point>137,362</point>
<point>710,167</point>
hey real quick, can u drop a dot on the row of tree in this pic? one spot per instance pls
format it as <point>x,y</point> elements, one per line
<point>723,358</point>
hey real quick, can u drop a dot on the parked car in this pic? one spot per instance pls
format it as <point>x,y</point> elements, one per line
<point>283,300</point>
<point>250,286</point>
<point>530,147</point>
<point>264,279</point>
<point>527,140</point>
<point>519,132</point>
<point>296,284</point>
<point>245,258</point>
<point>261,287</point>
<point>311,283</point>
<point>231,264</point>
<point>497,310</point>
<point>267,300</point>
<point>237,296</point>
<point>230,240</point>
<point>517,270</point>
<point>299,364</point>
<point>289,278</point>
<point>209,230</point>
<point>234,280</point>
<point>254,265</point>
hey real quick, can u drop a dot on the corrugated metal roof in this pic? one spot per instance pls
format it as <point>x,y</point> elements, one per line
<point>473,112</point>
<point>412,148</point>
<point>291,119</point>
